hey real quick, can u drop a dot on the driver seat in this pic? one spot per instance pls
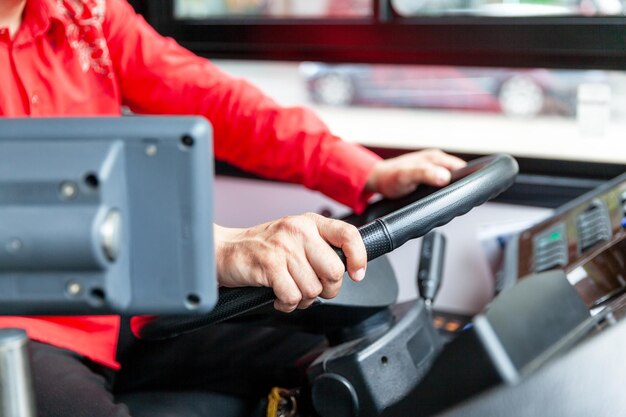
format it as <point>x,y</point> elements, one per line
<point>188,404</point>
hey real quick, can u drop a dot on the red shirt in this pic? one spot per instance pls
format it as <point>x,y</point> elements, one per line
<point>88,57</point>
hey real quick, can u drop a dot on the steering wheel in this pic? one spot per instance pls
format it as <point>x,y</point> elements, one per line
<point>408,218</point>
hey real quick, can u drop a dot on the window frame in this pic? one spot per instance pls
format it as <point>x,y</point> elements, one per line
<point>576,42</point>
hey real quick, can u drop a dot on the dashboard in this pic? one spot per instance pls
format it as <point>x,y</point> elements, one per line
<point>586,238</point>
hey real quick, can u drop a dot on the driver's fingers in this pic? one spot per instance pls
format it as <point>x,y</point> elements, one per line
<point>346,237</point>
<point>288,295</point>
<point>327,266</point>
<point>428,173</point>
<point>445,160</point>
<point>306,279</point>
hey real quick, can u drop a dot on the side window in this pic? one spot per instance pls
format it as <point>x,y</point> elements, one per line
<point>534,78</point>
<point>510,8</point>
<point>199,9</point>
<point>530,112</point>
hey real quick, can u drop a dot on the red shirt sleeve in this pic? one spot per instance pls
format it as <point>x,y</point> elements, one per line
<point>251,131</point>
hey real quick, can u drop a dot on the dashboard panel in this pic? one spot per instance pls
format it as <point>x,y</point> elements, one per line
<point>586,238</point>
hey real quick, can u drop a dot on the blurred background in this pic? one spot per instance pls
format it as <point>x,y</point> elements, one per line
<point>462,109</point>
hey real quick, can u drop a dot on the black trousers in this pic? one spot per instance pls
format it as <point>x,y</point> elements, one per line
<point>220,371</point>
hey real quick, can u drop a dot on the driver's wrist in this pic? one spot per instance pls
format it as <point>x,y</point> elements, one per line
<point>372,185</point>
<point>223,237</point>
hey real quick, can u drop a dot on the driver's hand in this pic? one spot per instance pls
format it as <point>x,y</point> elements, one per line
<point>399,176</point>
<point>292,256</point>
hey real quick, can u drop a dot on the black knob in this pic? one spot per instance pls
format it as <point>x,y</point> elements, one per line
<point>334,396</point>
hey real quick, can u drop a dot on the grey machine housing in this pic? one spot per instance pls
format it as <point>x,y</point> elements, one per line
<point>107,214</point>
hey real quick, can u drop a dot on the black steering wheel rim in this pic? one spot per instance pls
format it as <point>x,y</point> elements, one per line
<point>478,182</point>
<point>385,206</point>
<point>481,180</point>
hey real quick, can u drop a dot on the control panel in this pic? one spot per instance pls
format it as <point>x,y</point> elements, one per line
<point>585,238</point>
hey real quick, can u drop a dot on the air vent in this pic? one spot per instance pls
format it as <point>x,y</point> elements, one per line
<point>550,249</point>
<point>593,225</point>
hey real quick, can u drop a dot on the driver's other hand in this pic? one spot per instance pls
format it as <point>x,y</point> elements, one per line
<point>291,255</point>
<point>399,176</point>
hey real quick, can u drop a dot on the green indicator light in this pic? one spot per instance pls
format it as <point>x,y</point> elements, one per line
<point>555,236</point>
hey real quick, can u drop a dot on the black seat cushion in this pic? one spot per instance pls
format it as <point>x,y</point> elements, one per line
<point>188,404</point>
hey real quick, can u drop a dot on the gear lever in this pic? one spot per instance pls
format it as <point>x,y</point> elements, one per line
<point>430,269</point>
